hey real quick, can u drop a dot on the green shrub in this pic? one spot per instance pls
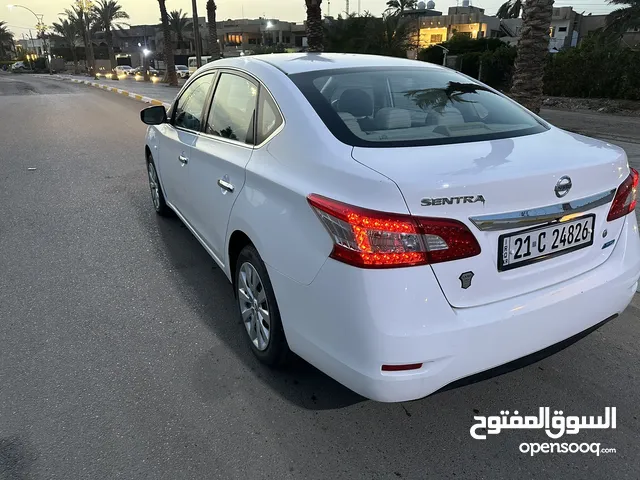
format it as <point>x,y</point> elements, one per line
<point>594,70</point>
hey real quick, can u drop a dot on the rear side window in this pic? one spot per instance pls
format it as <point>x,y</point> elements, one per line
<point>191,104</point>
<point>411,107</point>
<point>233,108</point>
<point>269,117</point>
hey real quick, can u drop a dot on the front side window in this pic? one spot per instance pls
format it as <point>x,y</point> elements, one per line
<point>190,105</point>
<point>411,106</point>
<point>233,108</point>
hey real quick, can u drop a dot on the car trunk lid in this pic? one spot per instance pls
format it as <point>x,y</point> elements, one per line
<point>483,183</point>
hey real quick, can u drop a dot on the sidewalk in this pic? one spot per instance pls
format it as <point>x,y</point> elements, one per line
<point>147,92</point>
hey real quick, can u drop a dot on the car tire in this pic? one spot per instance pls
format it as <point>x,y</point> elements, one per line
<point>157,195</point>
<point>255,297</point>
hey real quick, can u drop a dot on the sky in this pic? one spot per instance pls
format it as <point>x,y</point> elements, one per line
<point>146,11</point>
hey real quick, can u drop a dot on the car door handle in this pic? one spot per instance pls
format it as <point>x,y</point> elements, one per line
<point>226,185</point>
<point>184,160</point>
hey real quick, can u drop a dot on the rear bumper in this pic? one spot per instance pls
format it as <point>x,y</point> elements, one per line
<point>349,322</point>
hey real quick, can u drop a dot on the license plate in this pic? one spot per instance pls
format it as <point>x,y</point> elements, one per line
<point>540,243</point>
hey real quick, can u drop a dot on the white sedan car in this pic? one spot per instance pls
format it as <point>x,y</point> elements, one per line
<point>182,71</point>
<point>124,70</point>
<point>398,225</point>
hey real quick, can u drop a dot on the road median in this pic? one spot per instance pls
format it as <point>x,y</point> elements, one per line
<point>126,92</point>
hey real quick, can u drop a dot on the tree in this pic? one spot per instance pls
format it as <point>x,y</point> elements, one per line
<point>510,9</point>
<point>623,19</point>
<point>214,46</point>
<point>396,7</point>
<point>315,29</point>
<point>533,49</point>
<point>108,13</point>
<point>390,35</point>
<point>170,63</point>
<point>69,31</point>
<point>179,25</point>
<point>6,39</point>
<point>85,23</point>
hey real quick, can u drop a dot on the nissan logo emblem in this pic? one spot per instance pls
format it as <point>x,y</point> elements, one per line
<point>563,186</point>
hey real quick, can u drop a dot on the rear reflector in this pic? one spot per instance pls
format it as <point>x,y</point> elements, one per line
<point>401,368</point>
<point>626,197</point>
<point>370,239</point>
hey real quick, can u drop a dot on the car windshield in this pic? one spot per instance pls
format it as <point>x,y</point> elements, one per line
<point>181,67</point>
<point>377,107</point>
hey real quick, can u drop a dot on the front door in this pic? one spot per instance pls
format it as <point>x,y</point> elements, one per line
<point>178,140</point>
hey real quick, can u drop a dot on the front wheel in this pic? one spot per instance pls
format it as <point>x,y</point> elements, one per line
<point>157,195</point>
<point>258,309</point>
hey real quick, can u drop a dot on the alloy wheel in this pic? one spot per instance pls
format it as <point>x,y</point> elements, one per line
<point>254,307</point>
<point>154,185</point>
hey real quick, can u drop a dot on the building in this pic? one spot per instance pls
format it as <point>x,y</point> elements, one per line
<point>589,24</point>
<point>35,45</point>
<point>434,28</point>
<point>245,33</point>
<point>565,27</point>
<point>568,29</point>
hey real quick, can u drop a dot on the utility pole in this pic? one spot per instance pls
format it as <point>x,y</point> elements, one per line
<point>196,24</point>
<point>347,8</point>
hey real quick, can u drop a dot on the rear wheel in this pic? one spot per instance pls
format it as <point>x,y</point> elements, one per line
<point>157,195</point>
<point>258,309</point>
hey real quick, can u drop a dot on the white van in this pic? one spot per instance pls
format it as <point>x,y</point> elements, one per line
<point>193,65</point>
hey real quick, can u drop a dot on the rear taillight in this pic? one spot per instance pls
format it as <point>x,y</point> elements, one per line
<point>369,239</point>
<point>626,197</point>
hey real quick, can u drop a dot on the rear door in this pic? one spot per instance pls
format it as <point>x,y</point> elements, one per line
<point>220,154</point>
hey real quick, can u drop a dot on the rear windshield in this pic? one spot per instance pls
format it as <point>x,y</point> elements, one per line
<point>377,107</point>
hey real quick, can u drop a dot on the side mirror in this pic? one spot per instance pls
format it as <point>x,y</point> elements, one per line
<point>155,115</point>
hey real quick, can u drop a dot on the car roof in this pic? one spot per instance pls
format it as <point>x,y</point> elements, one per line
<point>292,63</point>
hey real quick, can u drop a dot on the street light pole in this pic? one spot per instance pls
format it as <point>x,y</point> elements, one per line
<point>196,33</point>
<point>445,51</point>
<point>40,26</point>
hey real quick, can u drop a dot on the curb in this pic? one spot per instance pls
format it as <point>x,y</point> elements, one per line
<point>126,93</point>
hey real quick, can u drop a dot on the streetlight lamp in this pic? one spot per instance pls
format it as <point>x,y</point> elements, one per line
<point>445,51</point>
<point>145,60</point>
<point>41,28</point>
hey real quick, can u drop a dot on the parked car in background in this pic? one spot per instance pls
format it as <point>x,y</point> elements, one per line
<point>18,66</point>
<point>182,71</point>
<point>193,64</point>
<point>124,70</point>
<point>140,71</point>
<point>397,224</point>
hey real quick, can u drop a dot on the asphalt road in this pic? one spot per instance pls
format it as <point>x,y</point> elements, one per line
<point>121,355</point>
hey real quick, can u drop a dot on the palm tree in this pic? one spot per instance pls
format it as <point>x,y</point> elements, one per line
<point>169,61</point>
<point>214,46</point>
<point>85,24</point>
<point>533,48</point>
<point>396,7</point>
<point>510,9</point>
<point>623,19</point>
<point>180,24</point>
<point>315,28</point>
<point>108,13</point>
<point>6,38</point>
<point>69,31</point>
